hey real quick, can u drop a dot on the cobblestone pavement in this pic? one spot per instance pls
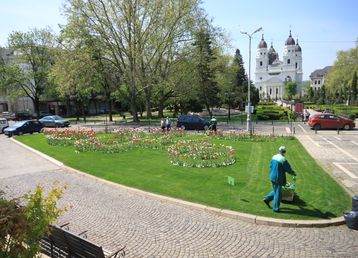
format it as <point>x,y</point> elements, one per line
<point>148,227</point>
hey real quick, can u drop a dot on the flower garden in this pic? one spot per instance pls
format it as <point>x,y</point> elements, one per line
<point>196,166</point>
<point>186,153</point>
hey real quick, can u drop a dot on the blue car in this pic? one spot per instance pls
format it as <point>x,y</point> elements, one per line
<point>192,122</point>
<point>22,127</point>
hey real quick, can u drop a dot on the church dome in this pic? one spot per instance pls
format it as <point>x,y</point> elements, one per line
<point>298,48</point>
<point>290,40</point>
<point>272,55</point>
<point>262,43</point>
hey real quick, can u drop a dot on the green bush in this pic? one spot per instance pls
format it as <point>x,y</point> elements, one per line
<point>21,227</point>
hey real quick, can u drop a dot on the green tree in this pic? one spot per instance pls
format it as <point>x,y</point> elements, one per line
<point>208,88</point>
<point>340,77</point>
<point>139,37</point>
<point>354,89</point>
<point>290,89</point>
<point>21,227</point>
<point>28,73</point>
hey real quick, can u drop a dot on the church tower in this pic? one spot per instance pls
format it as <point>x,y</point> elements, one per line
<point>272,74</point>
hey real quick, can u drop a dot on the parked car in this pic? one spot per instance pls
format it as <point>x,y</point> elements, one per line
<point>3,124</point>
<point>330,121</point>
<point>192,122</point>
<point>54,121</point>
<point>22,127</point>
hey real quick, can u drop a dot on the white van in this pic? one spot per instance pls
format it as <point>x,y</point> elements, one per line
<point>3,124</point>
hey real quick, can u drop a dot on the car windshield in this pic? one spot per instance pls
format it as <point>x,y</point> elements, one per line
<point>19,124</point>
<point>58,118</point>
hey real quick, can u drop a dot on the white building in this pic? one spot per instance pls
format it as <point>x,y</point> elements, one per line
<point>318,77</point>
<point>271,73</point>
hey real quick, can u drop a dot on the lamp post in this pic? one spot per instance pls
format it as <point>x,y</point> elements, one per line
<point>248,125</point>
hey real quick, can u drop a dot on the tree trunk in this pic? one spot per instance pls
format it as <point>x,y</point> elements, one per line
<point>36,102</point>
<point>133,107</point>
<point>148,105</point>
<point>109,102</point>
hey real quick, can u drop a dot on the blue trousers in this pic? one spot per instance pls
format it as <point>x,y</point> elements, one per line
<point>275,195</point>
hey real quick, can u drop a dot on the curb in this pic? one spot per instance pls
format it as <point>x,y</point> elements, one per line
<point>250,218</point>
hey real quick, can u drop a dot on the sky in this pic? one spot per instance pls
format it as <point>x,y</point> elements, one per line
<point>322,27</point>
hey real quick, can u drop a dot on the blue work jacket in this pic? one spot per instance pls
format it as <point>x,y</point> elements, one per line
<point>278,168</point>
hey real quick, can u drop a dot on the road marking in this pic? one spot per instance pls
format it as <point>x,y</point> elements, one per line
<point>288,130</point>
<point>339,148</point>
<point>309,138</point>
<point>339,139</point>
<point>356,143</point>
<point>302,128</point>
<point>345,170</point>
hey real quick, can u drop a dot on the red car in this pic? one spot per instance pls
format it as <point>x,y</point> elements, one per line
<point>330,121</point>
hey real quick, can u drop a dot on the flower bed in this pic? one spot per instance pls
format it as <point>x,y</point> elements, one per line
<point>201,154</point>
<point>67,137</point>
<point>244,136</point>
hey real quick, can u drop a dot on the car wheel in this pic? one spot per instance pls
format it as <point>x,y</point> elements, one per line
<point>9,135</point>
<point>346,127</point>
<point>317,127</point>
<point>206,127</point>
<point>182,127</point>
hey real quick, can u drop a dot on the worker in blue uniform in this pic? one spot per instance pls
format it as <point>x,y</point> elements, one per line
<point>278,168</point>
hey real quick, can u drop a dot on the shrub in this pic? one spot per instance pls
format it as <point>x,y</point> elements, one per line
<point>21,227</point>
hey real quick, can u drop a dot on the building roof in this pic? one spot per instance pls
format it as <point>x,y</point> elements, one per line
<point>262,43</point>
<point>320,72</point>
<point>298,47</point>
<point>290,40</point>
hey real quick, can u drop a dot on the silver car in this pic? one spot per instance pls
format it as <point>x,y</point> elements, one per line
<point>54,121</point>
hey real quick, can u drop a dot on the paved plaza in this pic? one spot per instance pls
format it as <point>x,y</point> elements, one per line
<point>149,227</point>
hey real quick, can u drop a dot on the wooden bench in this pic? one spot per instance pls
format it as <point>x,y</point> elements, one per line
<point>63,243</point>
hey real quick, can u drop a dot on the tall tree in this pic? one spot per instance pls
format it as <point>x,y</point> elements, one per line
<point>208,88</point>
<point>241,79</point>
<point>28,73</point>
<point>137,35</point>
<point>354,89</point>
<point>342,73</point>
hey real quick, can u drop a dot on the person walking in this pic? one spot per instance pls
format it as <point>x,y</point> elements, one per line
<point>168,123</point>
<point>278,168</point>
<point>162,124</point>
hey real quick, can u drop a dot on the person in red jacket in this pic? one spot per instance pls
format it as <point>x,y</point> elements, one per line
<point>278,168</point>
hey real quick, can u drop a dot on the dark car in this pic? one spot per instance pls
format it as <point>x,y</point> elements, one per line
<point>22,127</point>
<point>330,121</point>
<point>192,122</point>
<point>54,121</point>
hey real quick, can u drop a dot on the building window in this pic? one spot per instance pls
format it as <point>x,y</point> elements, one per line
<point>260,88</point>
<point>289,50</point>
<point>319,81</point>
<point>260,78</point>
<point>288,61</point>
<point>270,91</point>
<point>260,63</point>
<point>296,65</point>
<point>261,53</point>
<point>315,81</point>
<point>276,91</point>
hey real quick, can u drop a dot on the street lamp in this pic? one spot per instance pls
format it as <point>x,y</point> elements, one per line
<point>249,79</point>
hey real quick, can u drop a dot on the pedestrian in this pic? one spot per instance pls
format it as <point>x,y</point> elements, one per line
<point>213,123</point>
<point>162,124</point>
<point>278,168</point>
<point>168,124</point>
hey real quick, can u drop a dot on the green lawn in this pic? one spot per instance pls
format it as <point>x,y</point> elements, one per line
<point>318,195</point>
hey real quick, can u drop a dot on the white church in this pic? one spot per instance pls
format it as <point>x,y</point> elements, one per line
<point>271,73</point>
